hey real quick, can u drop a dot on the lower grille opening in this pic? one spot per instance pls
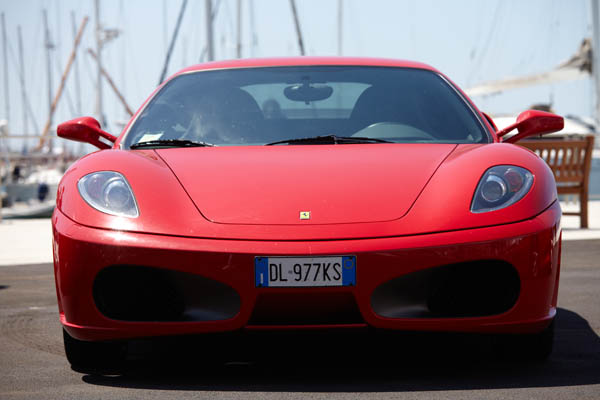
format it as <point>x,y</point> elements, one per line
<point>136,293</point>
<point>305,308</point>
<point>471,289</point>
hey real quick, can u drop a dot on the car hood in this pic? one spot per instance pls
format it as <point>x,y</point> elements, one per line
<point>273,185</point>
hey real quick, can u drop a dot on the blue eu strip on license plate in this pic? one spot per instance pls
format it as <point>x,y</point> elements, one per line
<point>305,271</point>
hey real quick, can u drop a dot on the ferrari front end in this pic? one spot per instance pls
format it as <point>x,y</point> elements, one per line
<point>392,205</point>
<point>142,285</point>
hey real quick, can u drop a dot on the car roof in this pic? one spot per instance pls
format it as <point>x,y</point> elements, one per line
<point>305,61</point>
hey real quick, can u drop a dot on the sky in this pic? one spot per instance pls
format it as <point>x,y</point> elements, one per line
<point>471,41</point>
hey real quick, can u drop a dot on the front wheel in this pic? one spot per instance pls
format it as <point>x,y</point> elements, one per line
<point>94,357</point>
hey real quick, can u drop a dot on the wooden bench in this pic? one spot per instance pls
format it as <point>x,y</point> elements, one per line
<point>570,159</point>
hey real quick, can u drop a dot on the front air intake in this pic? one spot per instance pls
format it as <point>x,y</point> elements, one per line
<point>137,293</point>
<point>471,289</point>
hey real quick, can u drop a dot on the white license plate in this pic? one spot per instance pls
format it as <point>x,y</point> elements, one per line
<point>305,271</point>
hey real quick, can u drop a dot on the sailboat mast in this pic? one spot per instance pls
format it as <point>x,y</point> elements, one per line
<point>253,38</point>
<point>22,80</point>
<point>239,29</point>
<point>340,26</point>
<point>209,31</point>
<point>45,132</point>
<point>49,47</point>
<point>165,26</point>
<point>76,67</point>
<point>27,110</point>
<point>596,55</point>
<point>99,108</point>
<point>6,91</point>
<point>112,84</point>
<point>297,24</point>
<point>172,44</point>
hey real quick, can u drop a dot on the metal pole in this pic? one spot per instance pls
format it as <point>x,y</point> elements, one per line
<point>44,134</point>
<point>48,44</point>
<point>124,55</point>
<point>209,31</point>
<point>297,24</point>
<point>239,29</point>
<point>27,110</point>
<point>596,55</point>
<point>172,44</point>
<point>112,85</point>
<point>165,26</point>
<point>254,40</point>
<point>6,162</point>
<point>340,26</point>
<point>76,66</point>
<point>99,108</point>
<point>213,14</point>
<point>22,80</point>
<point>6,91</point>
<point>340,32</point>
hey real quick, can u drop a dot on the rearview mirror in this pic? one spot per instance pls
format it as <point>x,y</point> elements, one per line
<point>307,93</point>
<point>533,122</point>
<point>86,130</point>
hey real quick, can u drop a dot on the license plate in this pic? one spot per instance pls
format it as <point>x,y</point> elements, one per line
<point>305,271</point>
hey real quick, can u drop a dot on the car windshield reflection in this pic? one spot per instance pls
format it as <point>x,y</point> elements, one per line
<point>258,106</point>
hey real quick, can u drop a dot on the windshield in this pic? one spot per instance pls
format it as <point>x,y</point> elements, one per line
<point>257,106</point>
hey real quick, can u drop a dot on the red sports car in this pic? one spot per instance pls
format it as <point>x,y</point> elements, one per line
<point>306,193</point>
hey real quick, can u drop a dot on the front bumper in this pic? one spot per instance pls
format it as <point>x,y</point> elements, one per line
<point>532,247</point>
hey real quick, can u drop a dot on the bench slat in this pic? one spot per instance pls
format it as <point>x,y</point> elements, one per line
<point>570,160</point>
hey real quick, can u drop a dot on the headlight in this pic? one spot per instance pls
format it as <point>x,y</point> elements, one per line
<point>500,187</point>
<point>109,192</point>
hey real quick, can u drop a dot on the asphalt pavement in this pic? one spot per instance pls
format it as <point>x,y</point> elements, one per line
<point>410,366</point>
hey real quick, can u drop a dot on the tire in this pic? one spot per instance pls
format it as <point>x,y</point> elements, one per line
<point>94,357</point>
<point>532,347</point>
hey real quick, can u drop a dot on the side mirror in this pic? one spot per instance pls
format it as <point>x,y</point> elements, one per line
<point>87,130</point>
<point>533,122</point>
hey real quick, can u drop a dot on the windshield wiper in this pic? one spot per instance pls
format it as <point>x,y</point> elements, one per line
<point>330,139</point>
<point>170,143</point>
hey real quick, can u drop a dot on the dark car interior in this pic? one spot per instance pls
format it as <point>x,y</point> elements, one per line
<point>263,105</point>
